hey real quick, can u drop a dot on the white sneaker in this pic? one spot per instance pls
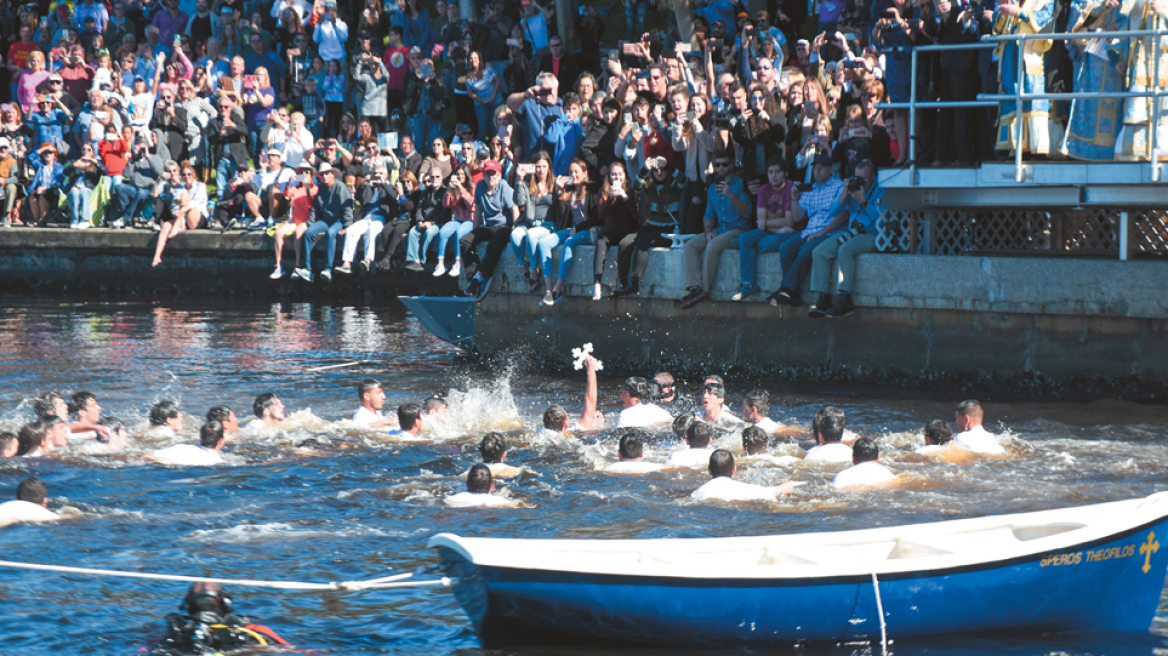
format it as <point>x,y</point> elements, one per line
<point>277,274</point>
<point>326,274</point>
<point>440,270</point>
<point>456,269</point>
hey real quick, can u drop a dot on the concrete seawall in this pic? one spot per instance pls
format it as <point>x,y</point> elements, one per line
<point>1025,321</point>
<point>202,262</point>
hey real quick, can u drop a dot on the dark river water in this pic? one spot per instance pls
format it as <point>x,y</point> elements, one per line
<point>367,509</point>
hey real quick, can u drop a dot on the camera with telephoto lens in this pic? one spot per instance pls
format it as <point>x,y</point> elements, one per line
<point>855,229</point>
<point>855,183</point>
<point>723,120</point>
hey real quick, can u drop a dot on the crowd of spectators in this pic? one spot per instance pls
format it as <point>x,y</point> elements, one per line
<point>332,119</point>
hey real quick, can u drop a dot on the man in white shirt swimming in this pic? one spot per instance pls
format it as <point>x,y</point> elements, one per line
<point>632,452</point>
<point>723,487</point>
<point>372,397</point>
<point>493,449</point>
<point>755,442</point>
<point>697,456</point>
<point>937,437</point>
<point>755,408</point>
<point>408,414</point>
<point>972,436</point>
<point>269,412</point>
<point>478,492</point>
<point>867,470</point>
<point>204,454</point>
<point>165,419</point>
<point>31,504</point>
<point>637,413</point>
<point>713,407</point>
<point>828,429</point>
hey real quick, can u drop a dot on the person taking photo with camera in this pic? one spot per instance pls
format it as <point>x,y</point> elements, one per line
<point>835,258</point>
<point>727,217</point>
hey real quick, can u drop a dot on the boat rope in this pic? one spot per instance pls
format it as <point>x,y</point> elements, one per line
<point>393,581</point>
<point>880,610</point>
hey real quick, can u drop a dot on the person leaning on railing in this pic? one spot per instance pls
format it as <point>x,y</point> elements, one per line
<point>835,258</point>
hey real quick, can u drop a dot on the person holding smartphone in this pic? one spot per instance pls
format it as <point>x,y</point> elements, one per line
<point>727,217</point>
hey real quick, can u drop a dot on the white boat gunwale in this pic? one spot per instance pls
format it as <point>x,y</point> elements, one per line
<point>1082,528</point>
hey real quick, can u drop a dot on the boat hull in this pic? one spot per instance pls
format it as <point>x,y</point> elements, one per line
<point>1097,586</point>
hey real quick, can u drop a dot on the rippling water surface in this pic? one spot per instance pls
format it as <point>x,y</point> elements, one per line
<point>365,508</point>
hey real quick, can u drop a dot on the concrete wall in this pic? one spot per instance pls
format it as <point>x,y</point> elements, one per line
<point>957,317</point>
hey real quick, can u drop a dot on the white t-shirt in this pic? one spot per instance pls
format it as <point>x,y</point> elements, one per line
<point>477,500</point>
<point>929,450</point>
<point>190,455</point>
<point>254,425</point>
<point>499,470</point>
<point>694,458</point>
<point>834,452</point>
<point>641,467</point>
<point>642,415</point>
<point>728,489</point>
<point>979,440</point>
<point>768,425</point>
<point>403,436</point>
<point>727,420</point>
<point>25,511</point>
<point>768,459</point>
<point>365,416</point>
<point>863,474</point>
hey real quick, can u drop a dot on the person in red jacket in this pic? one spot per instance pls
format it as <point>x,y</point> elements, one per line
<point>114,151</point>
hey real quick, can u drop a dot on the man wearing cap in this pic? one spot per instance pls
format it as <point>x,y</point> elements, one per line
<point>331,34</point>
<point>44,189</point>
<point>272,177</point>
<point>331,213</point>
<point>139,177</point>
<point>537,107</point>
<point>495,214</point>
<point>296,199</point>
<point>822,208</point>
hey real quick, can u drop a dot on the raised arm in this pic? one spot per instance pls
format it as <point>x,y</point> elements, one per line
<point>588,415</point>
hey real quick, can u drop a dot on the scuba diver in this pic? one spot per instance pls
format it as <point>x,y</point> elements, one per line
<point>209,626</point>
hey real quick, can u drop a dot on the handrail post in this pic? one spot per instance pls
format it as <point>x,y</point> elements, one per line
<point>912,122</point>
<point>1155,104</point>
<point>1019,113</point>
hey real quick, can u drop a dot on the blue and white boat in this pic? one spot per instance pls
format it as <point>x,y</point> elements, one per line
<point>1090,568</point>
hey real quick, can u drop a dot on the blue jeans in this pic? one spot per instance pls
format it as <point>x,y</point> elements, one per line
<point>635,19</point>
<point>424,130</point>
<point>546,245</point>
<point>750,244</point>
<point>795,254</point>
<point>486,116</point>
<point>582,238</point>
<point>310,236</point>
<point>413,254</point>
<point>79,203</point>
<point>456,229</point>
<point>525,253</point>
<point>129,200</point>
<point>225,172</point>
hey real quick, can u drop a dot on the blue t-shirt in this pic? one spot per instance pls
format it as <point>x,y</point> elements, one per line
<point>535,122</point>
<point>495,205</point>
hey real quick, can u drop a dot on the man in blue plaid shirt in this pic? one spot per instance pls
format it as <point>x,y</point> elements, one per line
<point>820,206</point>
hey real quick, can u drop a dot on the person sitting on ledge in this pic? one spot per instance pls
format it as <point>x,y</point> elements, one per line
<point>727,217</point>
<point>493,449</point>
<point>632,451</point>
<point>835,258</point>
<point>828,429</point>
<point>821,207</point>
<point>723,487</point>
<point>698,454</point>
<point>479,485</point>
<point>866,470</point>
<point>776,221</point>
<point>973,437</point>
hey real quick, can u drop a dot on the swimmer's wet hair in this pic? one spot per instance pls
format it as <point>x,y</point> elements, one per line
<point>432,404</point>
<point>6,439</point>
<point>162,411</point>
<point>44,405</point>
<point>970,408</point>
<point>754,440</point>
<point>760,400</point>
<point>865,450</point>
<point>938,432</point>
<point>478,480</point>
<point>30,436</point>
<point>636,387</point>
<point>408,414</point>
<point>699,435</point>
<point>721,464</point>
<point>219,413</point>
<point>632,443</point>
<point>681,425</point>
<point>32,490</point>
<point>492,448</point>
<point>78,401</point>
<point>367,385</point>
<point>555,417</point>
<point>262,403</point>
<point>210,434</point>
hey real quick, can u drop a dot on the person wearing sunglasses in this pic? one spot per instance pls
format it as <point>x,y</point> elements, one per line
<point>727,217</point>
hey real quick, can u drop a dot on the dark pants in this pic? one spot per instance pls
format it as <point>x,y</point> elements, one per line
<point>957,129</point>
<point>391,237</point>
<point>692,213</point>
<point>795,256</point>
<point>127,200</point>
<point>633,251</point>
<point>497,238</point>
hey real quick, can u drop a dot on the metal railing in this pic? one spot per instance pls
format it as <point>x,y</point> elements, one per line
<point>995,99</point>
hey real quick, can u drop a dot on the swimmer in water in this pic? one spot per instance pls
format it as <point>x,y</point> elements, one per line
<point>116,442</point>
<point>866,470</point>
<point>755,443</point>
<point>755,410</point>
<point>165,419</point>
<point>697,456</point>
<point>51,404</point>
<point>667,396</point>
<point>39,438</point>
<point>225,416</point>
<point>478,492</point>
<point>972,436</point>
<point>210,625</point>
<point>493,449</point>
<point>637,412</point>
<point>828,429</point>
<point>204,454</point>
<point>408,415</point>
<point>372,397</point>
<point>434,411</point>
<point>713,410</point>
<point>9,445</point>
<point>723,487</point>
<point>632,453</point>
<point>556,420</point>
<point>31,504</point>
<point>937,437</point>
<point>269,412</point>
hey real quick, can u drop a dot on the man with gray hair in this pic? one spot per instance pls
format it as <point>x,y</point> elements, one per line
<point>537,107</point>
